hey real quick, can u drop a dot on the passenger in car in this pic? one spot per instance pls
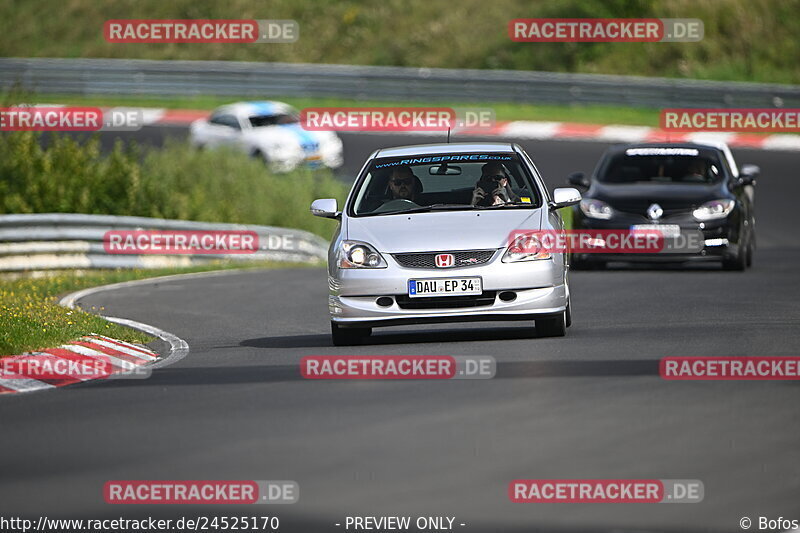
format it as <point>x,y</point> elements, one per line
<point>493,187</point>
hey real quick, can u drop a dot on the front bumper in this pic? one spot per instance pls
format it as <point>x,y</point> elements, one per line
<point>540,288</point>
<point>720,240</point>
<point>716,253</point>
<point>287,160</point>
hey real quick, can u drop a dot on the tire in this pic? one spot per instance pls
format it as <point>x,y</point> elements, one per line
<point>738,262</point>
<point>576,264</point>
<point>348,336</point>
<point>751,247</point>
<point>588,265</point>
<point>569,315</point>
<point>552,326</point>
<point>267,162</point>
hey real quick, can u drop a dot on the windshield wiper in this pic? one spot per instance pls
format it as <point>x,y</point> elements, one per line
<point>433,207</point>
<point>515,204</point>
<point>445,207</point>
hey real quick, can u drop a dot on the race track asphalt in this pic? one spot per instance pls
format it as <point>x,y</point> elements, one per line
<point>590,405</point>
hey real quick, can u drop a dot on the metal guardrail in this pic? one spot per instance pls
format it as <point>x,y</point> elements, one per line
<point>264,80</point>
<point>67,241</point>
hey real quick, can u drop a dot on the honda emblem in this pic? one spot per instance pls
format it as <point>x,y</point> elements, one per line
<point>445,260</point>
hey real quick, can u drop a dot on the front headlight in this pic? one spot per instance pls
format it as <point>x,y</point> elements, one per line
<point>713,210</point>
<point>525,249</point>
<point>355,254</point>
<point>596,209</point>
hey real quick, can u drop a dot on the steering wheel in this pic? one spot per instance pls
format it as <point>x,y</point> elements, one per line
<point>398,204</point>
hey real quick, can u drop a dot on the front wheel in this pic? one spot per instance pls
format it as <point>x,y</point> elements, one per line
<point>552,326</point>
<point>583,264</point>
<point>569,315</point>
<point>348,336</point>
<point>737,262</point>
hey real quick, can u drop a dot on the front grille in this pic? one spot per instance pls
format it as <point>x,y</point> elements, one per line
<point>446,302</point>
<point>639,207</point>
<point>667,212</point>
<point>428,259</point>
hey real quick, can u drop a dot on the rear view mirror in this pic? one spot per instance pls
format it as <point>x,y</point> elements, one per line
<point>578,179</point>
<point>444,169</point>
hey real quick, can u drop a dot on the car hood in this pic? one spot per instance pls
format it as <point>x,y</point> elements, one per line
<point>668,195</point>
<point>445,230</point>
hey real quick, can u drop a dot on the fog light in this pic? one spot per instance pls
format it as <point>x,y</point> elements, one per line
<point>508,296</point>
<point>384,301</point>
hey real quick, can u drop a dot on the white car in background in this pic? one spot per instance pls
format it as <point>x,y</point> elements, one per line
<point>270,131</point>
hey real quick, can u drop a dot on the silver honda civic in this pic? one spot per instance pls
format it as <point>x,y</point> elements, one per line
<point>427,235</point>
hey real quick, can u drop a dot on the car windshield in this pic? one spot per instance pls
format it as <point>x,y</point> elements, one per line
<point>258,121</point>
<point>444,182</point>
<point>661,165</point>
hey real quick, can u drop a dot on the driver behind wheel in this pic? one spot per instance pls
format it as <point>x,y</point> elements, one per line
<point>695,171</point>
<point>403,184</point>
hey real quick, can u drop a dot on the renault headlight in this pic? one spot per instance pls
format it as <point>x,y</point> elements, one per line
<point>355,254</point>
<point>596,209</point>
<point>713,210</point>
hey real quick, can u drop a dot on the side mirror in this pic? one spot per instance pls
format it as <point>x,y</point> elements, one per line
<point>564,197</point>
<point>325,207</point>
<point>748,174</point>
<point>578,179</point>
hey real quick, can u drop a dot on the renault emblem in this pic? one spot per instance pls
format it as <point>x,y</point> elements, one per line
<point>654,212</point>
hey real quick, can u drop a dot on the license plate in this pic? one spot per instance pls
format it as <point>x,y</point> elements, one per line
<point>667,230</point>
<point>444,287</point>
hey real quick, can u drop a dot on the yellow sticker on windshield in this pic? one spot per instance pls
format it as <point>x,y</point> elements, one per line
<point>525,200</point>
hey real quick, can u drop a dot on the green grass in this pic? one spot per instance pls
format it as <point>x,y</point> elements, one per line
<point>31,319</point>
<point>592,114</point>
<point>566,214</point>
<point>175,182</point>
<point>744,40</point>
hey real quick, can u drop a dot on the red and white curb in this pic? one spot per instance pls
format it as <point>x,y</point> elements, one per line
<point>526,129</point>
<point>122,357</point>
<point>571,131</point>
<point>541,130</point>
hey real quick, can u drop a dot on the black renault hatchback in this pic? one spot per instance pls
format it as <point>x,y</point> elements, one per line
<point>672,187</point>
